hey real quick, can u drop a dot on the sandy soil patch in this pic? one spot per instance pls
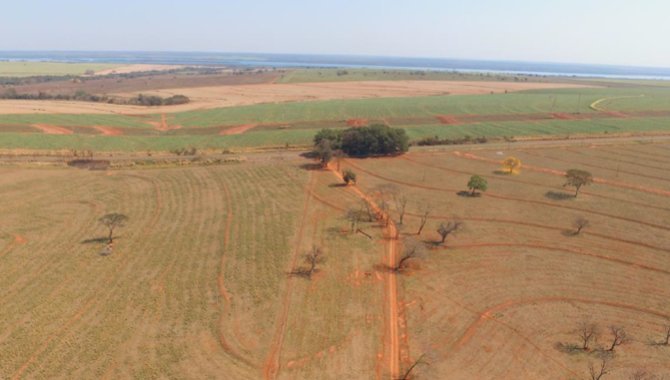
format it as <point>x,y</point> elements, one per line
<point>136,69</point>
<point>232,96</point>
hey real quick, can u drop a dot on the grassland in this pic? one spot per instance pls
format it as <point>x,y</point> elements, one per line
<point>197,284</point>
<point>29,69</point>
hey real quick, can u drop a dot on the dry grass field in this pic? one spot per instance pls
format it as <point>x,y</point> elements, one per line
<point>197,285</point>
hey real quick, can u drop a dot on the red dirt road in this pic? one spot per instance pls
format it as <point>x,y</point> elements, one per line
<point>238,130</point>
<point>390,285</point>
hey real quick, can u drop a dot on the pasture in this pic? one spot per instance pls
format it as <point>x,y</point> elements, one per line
<point>197,285</point>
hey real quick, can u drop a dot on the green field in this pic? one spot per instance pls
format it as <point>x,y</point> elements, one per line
<point>294,124</point>
<point>29,69</point>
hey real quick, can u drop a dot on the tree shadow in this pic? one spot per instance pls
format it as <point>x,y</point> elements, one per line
<point>501,172</point>
<point>98,240</point>
<point>468,194</point>
<point>569,233</point>
<point>558,196</point>
<point>311,166</point>
<point>338,185</point>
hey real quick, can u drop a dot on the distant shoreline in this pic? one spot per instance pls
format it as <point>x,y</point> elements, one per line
<point>339,61</point>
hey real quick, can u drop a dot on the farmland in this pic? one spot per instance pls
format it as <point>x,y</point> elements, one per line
<point>27,69</point>
<point>595,108</point>
<point>197,284</point>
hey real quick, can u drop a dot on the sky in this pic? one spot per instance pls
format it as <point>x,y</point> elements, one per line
<point>617,32</point>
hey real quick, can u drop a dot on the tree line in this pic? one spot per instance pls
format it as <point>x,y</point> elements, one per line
<point>83,96</point>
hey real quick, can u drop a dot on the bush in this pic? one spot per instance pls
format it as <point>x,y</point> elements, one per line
<point>349,176</point>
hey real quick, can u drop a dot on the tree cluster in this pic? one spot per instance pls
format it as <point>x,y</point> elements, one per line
<point>83,96</point>
<point>374,140</point>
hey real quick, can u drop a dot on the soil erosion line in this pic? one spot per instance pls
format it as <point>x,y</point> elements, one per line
<point>391,283</point>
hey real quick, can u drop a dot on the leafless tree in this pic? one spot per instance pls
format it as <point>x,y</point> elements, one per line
<point>619,337</point>
<point>598,371</point>
<point>407,375</point>
<point>587,332</point>
<point>400,206</point>
<point>580,223</point>
<point>354,216</point>
<point>368,210</point>
<point>424,219</point>
<point>312,258</point>
<point>447,228</point>
<point>113,221</point>
<point>413,250</point>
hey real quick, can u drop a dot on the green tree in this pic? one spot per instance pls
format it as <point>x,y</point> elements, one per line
<point>349,176</point>
<point>324,152</point>
<point>477,183</point>
<point>113,221</point>
<point>577,178</point>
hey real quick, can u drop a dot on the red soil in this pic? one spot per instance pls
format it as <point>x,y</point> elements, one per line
<point>448,119</point>
<point>237,130</point>
<point>108,131</point>
<point>357,122</point>
<point>52,129</point>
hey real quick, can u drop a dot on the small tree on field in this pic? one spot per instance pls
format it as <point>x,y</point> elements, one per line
<point>666,341</point>
<point>577,178</point>
<point>619,337</point>
<point>445,229</point>
<point>349,176</point>
<point>354,217</point>
<point>580,223</point>
<point>400,206</point>
<point>113,221</point>
<point>511,164</point>
<point>424,219</point>
<point>477,183</point>
<point>412,250</point>
<point>324,152</point>
<point>598,371</point>
<point>588,332</point>
<point>407,375</point>
<point>312,258</point>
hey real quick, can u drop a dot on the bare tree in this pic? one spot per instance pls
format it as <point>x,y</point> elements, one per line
<point>577,178</point>
<point>619,337</point>
<point>598,371</point>
<point>667,335</point>
<point>312,258</point>
<point>400,206</point>
<point>412,250</point>
<point>580,223</point>
<point>407,375</point>
<point>445,229</point>
<point>113,221</point>
<point>354,217</point>
<point>587,332</point>
<point>424,219</point>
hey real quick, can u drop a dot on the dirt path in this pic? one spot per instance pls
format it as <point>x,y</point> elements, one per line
<point>390,284</point>
<point>595,105</point>
<point>272,363</point>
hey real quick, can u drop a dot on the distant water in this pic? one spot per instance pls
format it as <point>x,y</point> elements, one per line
<point>342,61</point>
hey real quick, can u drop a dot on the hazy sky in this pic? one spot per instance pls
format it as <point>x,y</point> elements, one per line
<point>628,32</point>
